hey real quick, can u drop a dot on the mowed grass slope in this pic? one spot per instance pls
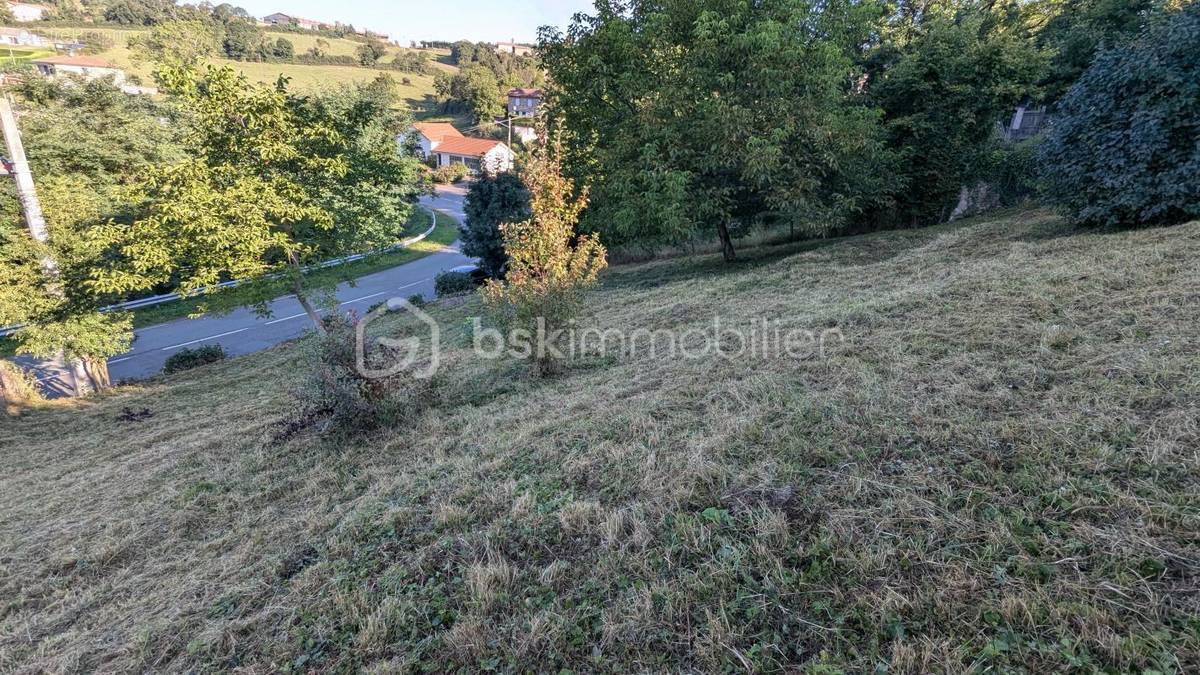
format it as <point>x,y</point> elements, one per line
<point>997,471</point>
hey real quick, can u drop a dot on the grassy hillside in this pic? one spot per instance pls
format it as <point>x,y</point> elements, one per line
<point>304,77</point>
<point>996,471</point>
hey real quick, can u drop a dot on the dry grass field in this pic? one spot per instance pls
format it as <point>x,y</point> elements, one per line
<point>997,471</point>
<point>305,78</point>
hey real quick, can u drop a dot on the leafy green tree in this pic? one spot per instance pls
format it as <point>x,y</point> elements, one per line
<point>370,52</point>
<point>141,12</point>
<point>1123,149</point>
<point>714,116</point>
<point>270,184</point>
<point>244,41</point>
<point>491,202</point>
<point>942,88</point>
<point>284,49</point>
<point>86,143</point>
<point>412,62</point>
<point>474,89</point>
<point>1075,29</point>
<point>185,43</point>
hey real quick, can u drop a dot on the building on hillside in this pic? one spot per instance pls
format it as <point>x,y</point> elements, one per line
<point>1027,121</point>
<point>279,19</point>
<point>514,48</point>
<point>429,135</point>
<point>19,37</point>
<point>524,102</point>
<point>480,155</point>
<point>25,13</point>
<point>88,67</point>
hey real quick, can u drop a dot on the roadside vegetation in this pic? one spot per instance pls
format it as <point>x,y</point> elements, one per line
<point>167,196</point>
<point>443,235</point>
<point>949,489</point>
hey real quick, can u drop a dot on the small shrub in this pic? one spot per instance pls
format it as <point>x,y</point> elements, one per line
<point>453,283</point>
<point>335,396</point>
<point>549,267</point>
<point>187,359</point>
<point>416,300</point>
<point>17,385</point>
<point>492,201</point>
<point>406,81</point>
<point>454,173</point>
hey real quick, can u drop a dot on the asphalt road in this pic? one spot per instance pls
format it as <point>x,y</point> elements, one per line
<point>243,332</point>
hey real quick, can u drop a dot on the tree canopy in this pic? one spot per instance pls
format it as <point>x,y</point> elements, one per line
<point>1124,149</point>
<point>714,115</point>
<point>270,183</point>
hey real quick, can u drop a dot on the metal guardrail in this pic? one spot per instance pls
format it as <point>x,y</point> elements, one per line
<point>174,297</point>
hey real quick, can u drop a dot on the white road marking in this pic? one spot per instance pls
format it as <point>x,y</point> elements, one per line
<point>112,361</point>
<point>297,316</point>
<point>416,283</point>
<point>210,337</point>
<point>286,318</point>
<point>365,297</point>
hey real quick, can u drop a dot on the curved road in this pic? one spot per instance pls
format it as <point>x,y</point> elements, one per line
<point>243,332</point>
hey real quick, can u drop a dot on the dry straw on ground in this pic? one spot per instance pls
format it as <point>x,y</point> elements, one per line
<point>997,470</point>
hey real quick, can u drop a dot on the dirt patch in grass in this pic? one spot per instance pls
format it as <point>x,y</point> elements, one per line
<point>997,470</point>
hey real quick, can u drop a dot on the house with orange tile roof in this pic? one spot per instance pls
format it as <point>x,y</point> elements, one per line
<point>87,67</point>
<point>447,145</point>
<point>480,155</point>
<point>429,135</point>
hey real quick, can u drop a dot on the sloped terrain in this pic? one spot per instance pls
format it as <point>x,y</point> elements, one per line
<point>997,469</point>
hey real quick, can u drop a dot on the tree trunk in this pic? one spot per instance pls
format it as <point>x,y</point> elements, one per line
<point>298,290</point>
<point>726,242</point>
<point>97,373</point>
<point>318,323</point>
<point>81,377</point>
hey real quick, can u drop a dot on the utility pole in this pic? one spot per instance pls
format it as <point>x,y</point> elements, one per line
<point>26,191</point>
<point>27,194</point>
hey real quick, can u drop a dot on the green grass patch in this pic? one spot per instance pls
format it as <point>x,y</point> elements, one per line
<point>14,55</point>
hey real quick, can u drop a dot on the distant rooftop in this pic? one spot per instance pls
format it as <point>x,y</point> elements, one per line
<point>81,61</point>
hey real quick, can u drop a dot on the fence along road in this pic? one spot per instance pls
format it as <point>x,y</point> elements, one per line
<point>243,332</point>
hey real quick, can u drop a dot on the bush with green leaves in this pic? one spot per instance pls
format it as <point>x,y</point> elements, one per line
<point>335,395</point>
<point>17,385</point>
<point>453,283</point>
<point>491,202</point>
<point>186,359</point>
<point>451,173</point>
<point>1123,149</point>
